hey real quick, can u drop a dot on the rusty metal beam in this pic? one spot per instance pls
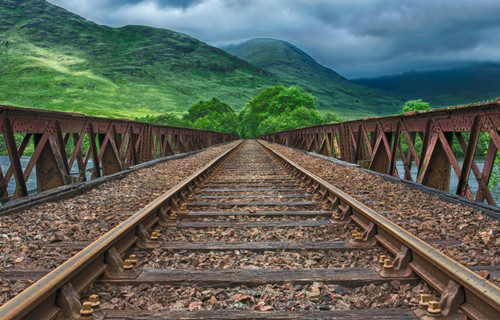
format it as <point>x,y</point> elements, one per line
<point>113,145</point>
<point>381,138</point>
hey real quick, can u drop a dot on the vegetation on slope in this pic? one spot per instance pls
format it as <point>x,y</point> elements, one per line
<point>51,58</point>
<point>444,87</point>
<point>333,91</point>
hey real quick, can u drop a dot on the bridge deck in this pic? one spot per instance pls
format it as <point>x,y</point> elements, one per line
<point>32,237</point>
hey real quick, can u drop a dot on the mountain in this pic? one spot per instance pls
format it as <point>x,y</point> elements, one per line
<point>333,91</point>
<point>52,58</point>
<point>464,84</point>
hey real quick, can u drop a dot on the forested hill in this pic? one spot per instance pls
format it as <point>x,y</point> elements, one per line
<point>464,84</point>
<point>333,91</point>
<point>52,58</point>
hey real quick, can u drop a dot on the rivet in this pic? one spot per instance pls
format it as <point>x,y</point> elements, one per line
<point>382,258</point>
<point>86,309</point>
<point>424,301</point>
<point>434,308</point>
<point>388,264</point>
<point>127,264</point>
<point>94,301</point>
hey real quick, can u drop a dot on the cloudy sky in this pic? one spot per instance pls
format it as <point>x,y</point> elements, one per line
<point>357,38</point>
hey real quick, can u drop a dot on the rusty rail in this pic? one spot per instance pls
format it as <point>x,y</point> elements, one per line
<point>462,290</point>
<point>59,139</point>
<point>377,143</point>
<point>58,290</point>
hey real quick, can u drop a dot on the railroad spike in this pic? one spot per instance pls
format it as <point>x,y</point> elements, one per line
<point>163,216</point>
<point>365,239</point>
<point>69,302</point>
<point>115,269</point>
<point>451,298</point>
<point>146,241</point>
<point>400,265</point>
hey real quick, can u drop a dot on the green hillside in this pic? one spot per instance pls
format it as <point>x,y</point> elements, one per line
<point>333,91</point>
<point>51,58</point>
<point>444,87</point>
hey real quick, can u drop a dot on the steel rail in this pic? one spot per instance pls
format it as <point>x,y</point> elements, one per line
<point>39,301</point>
<point>481,298</point>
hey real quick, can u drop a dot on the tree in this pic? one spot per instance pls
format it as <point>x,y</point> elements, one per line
<point>276,102</point>
<point>291,98</point>
<point>225,122</point>
<point>169,119</point>
<point>204,108</point>
<point>415,105</point>
<point>290,119</point>
<point>331,117</point>
<point>214,115</point>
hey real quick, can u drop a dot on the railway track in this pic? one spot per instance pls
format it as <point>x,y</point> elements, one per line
<point>253,236</point>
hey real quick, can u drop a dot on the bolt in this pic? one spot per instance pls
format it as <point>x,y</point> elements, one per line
<point>94,301</point>
<point>155,236</point>
<point>325,206</point>
<point>382,258</point>
<point>127,264</point>
<point>302,185</point>
<point>358,237</point>
<point>336,215</point>
<point>86,310</point>
<point>191,197</point>
<point>309,189</point>
<point>434,309</point>
<point>317,196</point>
<point>173,216</point>
<point>133,259</point>
<point>424,301</point>
<point>388,264</point>
<point>183,206</point>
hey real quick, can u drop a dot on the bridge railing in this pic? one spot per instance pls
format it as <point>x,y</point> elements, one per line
<point>62,148</point>
<point>432,141</point>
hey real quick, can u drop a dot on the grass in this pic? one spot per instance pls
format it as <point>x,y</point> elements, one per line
<point>53,59</point>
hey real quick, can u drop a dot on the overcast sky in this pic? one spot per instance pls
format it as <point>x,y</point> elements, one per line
<point>357,38</point>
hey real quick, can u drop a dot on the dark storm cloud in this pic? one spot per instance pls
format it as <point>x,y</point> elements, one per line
<point>354,37</point>
<point>184,4</point>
